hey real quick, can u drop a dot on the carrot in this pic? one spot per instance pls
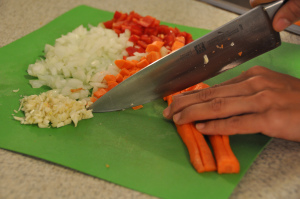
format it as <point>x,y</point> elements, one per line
<point>205,152</point>
<point>142,64</point>
<point>153,56</point>
<point>121,63</point>
<point>119,78</point>
<point>100,92</point>
<point>240,53</point>
<point>188,138</point>
<point>124,72</point>
<point>111,84</point>
<point>76,89</point>
<point>155,46</point>
<point>176,45</point>
<point>109,78</point>
<point>137,107</point>
<point>180,39</point>
<point>226,160</point>
<point>297,23</point>
<point>93,99</point>
<point>200,154</point>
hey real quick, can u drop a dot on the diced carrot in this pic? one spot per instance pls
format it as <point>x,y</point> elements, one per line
<point>93,99</point>
<point>109,78</point>
<point>124,72</point>
<point>121,63</point>
<point>76,89</point>
<point>119,78</point>
<point>142,64</point>
<point>137,107</point>
<point>176,45</point>
<point>100,92</point>
<point>297,23</point>
<point>180,39</point>
<point>125,77</point>
<point>240,53</point>
<point>155,46</point>
<point>153,56</point>
<point>111,84</point>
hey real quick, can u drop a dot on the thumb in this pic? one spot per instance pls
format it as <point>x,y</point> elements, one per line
<point>287,15</point>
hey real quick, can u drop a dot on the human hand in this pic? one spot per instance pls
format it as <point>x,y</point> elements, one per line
<point>288,14</point>
<point>258,100</point>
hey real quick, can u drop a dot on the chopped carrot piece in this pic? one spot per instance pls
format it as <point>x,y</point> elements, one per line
<point>124,72</point>
<point>93,99</point>
<point>240,53</point>
<point>109,78</point>
<point>153,56</point>
<point>121,63</point>
<point>154,46</point>
<point>176,45</point>
<point>180,39</point>
<point>100,92</point>
<point>111,84</point>
<point>297,23</point>
<point>137,107</point>
<point>76,89</point>
<point>142,64</point>
<point>119,78</point>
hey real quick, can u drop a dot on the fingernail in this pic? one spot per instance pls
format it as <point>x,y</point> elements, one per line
<point>200,126</point>
<point>166,112</point>
<point>282,24</point>
<point>176,117</point>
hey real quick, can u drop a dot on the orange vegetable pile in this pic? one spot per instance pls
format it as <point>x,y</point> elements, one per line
<point>148,36</point>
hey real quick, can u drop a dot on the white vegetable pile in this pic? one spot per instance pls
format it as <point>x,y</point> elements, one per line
<point>74,66</point>
<point>52,108</point>
<point>80,59</point>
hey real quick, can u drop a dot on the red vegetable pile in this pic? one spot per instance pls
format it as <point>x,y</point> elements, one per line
<point>144,31</point>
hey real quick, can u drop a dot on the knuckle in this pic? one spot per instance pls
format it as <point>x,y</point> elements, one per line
<point>255,70</point>
<point>217,104</point>
<point>205,95</point>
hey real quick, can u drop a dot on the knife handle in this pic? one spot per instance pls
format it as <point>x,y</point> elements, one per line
<point>272,8</point>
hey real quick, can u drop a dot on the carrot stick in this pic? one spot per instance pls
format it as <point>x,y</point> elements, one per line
<point>189,140</point>
<point>226,160</point>
<point>205,152</point>
<point>200,154</point>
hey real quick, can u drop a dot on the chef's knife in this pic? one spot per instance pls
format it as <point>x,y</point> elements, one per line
<point>234,43</point>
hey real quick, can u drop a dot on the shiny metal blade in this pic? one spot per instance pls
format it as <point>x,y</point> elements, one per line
<point>236,42</point>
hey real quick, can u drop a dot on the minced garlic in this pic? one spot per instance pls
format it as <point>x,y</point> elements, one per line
<point>51,108</point>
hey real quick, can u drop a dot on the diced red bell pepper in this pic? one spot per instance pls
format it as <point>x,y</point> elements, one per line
<point>146,39</point>
<point>108,24</point>
<point>146,21</point>
<point>134,38</point>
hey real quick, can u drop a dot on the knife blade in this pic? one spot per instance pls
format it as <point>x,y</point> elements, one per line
<point>230,45</point>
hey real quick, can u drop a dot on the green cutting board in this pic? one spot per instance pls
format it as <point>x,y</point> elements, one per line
<point>142,149</point>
